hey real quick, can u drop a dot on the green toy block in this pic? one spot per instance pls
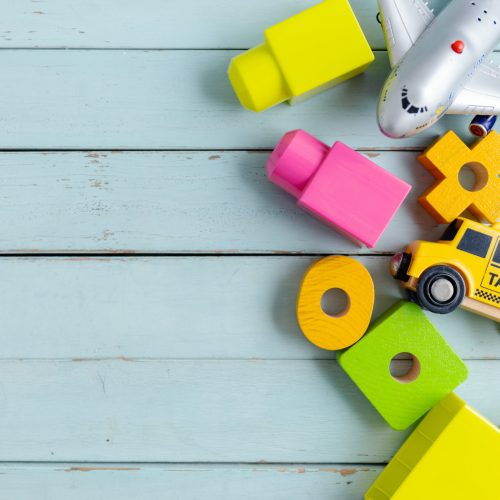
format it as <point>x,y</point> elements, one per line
<point>435,372</point>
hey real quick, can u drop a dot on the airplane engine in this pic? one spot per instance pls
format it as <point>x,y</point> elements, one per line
<point>482,125</point>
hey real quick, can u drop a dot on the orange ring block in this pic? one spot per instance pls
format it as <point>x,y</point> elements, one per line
<point>343,330</point>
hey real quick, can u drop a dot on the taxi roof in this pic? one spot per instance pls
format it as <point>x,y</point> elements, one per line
<point>479,225</point>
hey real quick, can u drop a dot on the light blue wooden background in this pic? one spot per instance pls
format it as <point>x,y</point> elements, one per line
<point>149,270</point>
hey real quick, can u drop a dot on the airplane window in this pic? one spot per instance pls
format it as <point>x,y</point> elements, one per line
<point>485,12</point>
<point>496,257</point>
<point>408,106</point>
<point>475,243</point>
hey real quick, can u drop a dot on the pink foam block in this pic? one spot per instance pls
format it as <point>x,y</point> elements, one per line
<point>338,185</point>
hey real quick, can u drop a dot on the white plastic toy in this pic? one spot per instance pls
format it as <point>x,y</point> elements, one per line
<point>439,65</point>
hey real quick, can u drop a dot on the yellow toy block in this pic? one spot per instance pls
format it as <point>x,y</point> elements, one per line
<point>335,332</point>
<point>316,49</point>
<point>447,199</point>
<point>454,453</point>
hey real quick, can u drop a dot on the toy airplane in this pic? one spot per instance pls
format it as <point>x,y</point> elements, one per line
<point>439,65</point>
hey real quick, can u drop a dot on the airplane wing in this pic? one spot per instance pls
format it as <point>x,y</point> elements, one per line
<point>481,95</point>
<point>403,21</point>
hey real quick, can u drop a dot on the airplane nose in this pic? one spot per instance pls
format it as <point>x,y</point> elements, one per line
<point>389,126</point>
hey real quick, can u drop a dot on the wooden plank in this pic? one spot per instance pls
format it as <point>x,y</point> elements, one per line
<point>157,23</point>
<point>294,411</point>
<point>186,482</point>
<point>216,308</point>
<point>173,100</point>
<point>182,202</point>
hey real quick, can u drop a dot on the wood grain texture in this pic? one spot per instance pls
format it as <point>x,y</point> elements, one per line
<point>178,202</point>
<point>286,411</point>
<point>177,359</point>
<point>158,23</point>
<point>340,330</point>
<point>194,308</point>
<point>447,197</point>
<point>186,482</point>
<point>435,369</point>
<point>174,100</point>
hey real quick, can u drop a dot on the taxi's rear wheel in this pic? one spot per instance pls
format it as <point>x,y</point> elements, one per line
<point>441,289</point>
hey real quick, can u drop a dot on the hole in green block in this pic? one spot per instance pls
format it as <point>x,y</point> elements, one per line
<point>404,367</point>
<point>335,302</point>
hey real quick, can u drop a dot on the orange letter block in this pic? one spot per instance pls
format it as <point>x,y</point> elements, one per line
<point>447,199</point>
<point>335,332</point>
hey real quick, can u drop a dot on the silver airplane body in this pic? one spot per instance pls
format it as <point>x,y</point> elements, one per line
<point>439,63</point>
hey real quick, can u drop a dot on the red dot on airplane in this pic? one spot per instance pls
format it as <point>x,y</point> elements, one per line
<point>458,46</point>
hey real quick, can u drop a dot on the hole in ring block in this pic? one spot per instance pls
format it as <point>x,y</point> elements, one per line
<point>345,326</point>
<point>335,302</point>
<point>403,329</point>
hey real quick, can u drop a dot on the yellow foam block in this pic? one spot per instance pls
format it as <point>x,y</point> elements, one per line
<point>447,199</point>
<point>454,453</point>
<point>320,47</point>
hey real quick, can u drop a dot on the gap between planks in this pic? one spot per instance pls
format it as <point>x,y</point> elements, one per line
<point>132,359</point>
<point>131,466</point>
<point>130,254</point>
<point>363,149</point>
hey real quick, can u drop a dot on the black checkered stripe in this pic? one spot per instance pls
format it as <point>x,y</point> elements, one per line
<point>492,297</point>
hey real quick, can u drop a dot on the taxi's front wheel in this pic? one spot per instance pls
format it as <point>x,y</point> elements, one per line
<point>440,289</point>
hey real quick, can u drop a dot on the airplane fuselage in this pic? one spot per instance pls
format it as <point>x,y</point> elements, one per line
<point>423,85</point>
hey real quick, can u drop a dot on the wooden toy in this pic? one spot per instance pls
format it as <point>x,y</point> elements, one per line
<point>341,331</point>
<point>436,370</point>
<point>461,269</point>
<point>440,64</point>
<point>316,49</point>
<point>453,453</point>
<point>447,199</point>
<point>338,185</point>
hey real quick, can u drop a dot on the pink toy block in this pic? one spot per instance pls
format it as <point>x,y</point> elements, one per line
<point>338,185</point>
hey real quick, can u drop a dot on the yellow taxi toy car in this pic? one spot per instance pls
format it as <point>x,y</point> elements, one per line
<point>461,269</point>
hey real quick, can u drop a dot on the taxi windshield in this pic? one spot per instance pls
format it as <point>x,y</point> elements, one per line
<point>451,231</point>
